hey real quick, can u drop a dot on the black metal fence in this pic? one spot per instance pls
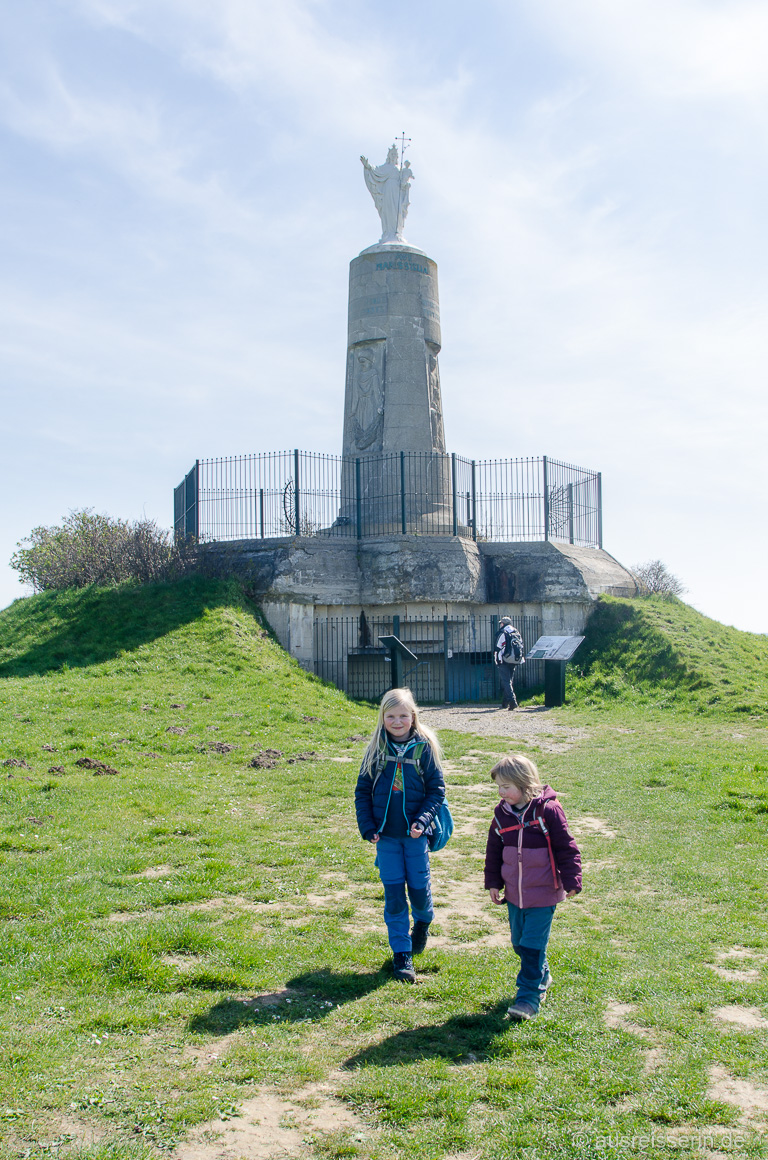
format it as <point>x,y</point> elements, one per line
<point>454,656</point>
<point>290,493</point>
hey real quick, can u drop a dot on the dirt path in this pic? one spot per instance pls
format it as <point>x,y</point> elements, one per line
<point>536,725</point>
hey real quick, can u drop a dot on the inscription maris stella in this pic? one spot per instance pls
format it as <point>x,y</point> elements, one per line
<point>402,265</point>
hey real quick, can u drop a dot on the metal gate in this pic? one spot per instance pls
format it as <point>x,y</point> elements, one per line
<point>454,655</point>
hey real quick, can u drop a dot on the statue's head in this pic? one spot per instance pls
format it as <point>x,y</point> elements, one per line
<point>392,155</point>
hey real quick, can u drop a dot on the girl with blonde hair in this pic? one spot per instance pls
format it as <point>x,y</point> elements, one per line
<point>399,790</point>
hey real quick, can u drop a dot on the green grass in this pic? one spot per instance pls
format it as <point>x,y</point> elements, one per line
<point>661,652</point>
<point>145,915</point>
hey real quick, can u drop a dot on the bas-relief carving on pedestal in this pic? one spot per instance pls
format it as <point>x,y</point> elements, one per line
<point>389,186</point>
<point>365,374</point>
<point>435,400</point>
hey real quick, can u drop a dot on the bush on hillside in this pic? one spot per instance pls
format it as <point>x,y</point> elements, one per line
<point>90,548</point>
<point>655,579</point>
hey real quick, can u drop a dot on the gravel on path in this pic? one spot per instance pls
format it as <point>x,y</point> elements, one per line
<point>535,725</point>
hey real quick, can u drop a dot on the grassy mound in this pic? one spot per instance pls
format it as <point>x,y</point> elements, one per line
<point>191,934</point>
<point>86,626</point>
<point>663,652</point>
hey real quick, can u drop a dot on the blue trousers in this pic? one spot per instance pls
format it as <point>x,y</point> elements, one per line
<point>530,927</point>
<point>404,862</point>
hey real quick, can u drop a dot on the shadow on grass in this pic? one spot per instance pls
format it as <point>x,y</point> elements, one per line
<point>457,1037</point>
<point>309,996</point>
<point>87,626</point>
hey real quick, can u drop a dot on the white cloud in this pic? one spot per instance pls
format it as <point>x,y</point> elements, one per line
<point>686,49</point>
<point>601,279</point>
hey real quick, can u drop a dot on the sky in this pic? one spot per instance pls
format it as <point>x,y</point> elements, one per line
<point>181,194</point>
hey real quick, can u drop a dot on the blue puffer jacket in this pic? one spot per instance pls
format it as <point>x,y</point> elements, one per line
<point>423,792</point>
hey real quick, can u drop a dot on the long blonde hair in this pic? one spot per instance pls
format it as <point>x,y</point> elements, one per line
<point>377,743</point>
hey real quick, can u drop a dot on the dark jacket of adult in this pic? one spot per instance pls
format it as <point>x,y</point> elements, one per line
<point>423,792</point>
<point>533,856</point>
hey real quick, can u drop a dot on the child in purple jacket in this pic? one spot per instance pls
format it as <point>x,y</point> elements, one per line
<point>531,863</point>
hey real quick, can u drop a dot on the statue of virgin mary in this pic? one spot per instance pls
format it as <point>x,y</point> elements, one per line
<point>389,187</point>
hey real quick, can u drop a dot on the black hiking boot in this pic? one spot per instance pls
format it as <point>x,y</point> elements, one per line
<point>402,963</point>
<point>419,937</point>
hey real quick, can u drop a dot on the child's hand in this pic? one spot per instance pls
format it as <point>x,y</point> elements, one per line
<point>375,838</point>
<point>571,894</point>
<point>496,895</point>
<point>416,830</point>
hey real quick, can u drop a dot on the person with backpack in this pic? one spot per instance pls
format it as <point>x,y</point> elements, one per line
<point>398,795</point>
<point>508,652</point>
<point>532,863</point>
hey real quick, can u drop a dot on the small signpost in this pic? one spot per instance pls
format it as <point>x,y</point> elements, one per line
<point>398,652</point>
<point>554,651</point>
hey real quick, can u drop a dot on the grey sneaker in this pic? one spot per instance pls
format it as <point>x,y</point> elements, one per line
<point>520,1011</point>
<point>419,937</point>
<point>402,963</point>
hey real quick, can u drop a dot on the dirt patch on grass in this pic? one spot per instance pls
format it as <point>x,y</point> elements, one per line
<point>181,962</point>
<point>154,872</point>
<point>65,1131</point>
<point>752,975</point>
<point>470,922</point>
<point>232,903</point>
<point>749,1017</point>
<point>206,1054</point>
<point>751,1100</point>
<point>269,1126</point>
<point>618,1017</point>
<point>585,826</point>
<point>738,952</point>
<point>734,965</point>
<point>323,901</point>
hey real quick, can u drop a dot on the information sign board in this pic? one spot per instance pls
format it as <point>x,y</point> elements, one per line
<point>395,645</point>
<point>554,648</point>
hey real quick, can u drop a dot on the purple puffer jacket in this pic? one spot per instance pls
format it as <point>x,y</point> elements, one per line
<point>531,871</point>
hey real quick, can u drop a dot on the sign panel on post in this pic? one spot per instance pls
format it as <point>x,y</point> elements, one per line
<point>554,648</point>
<point>554,651</point>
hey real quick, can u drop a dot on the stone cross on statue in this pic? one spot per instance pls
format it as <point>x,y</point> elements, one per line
<point>389,186</point>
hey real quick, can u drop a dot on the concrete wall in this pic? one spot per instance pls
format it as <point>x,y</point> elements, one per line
<point>296,580</point>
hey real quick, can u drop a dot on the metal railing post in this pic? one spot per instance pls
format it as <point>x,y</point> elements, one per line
<point>599,509</point>
<point>397,659</point>
<point>445,659</point>
<point>261,511</point>
<point>546,497</point>
<point>454,495</point>
<point>474,501</point>
<point>192,502</point>
<point>570,513</point>
<point>403,522</point>
<point>358,501</point>
<point>296,499</point>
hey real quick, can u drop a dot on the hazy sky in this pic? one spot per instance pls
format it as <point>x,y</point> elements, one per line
<point>182,193</point>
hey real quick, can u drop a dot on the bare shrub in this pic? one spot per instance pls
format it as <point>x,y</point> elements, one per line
<point>90,548</point>
<point>654,579</point>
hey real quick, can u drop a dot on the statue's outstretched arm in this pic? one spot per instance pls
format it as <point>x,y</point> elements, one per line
<point>365,161</point>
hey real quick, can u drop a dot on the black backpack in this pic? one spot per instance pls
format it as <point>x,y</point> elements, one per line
<point>514,649</point>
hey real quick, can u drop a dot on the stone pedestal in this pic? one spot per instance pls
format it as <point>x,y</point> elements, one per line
<point>393,402</point>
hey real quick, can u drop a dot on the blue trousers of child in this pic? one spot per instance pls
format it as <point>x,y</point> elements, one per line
<point>530,928</point>
<point>404,862</point>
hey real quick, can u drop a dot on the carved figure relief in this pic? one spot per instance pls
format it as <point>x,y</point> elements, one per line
<point>367,397</point>
<point>435,400</point>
